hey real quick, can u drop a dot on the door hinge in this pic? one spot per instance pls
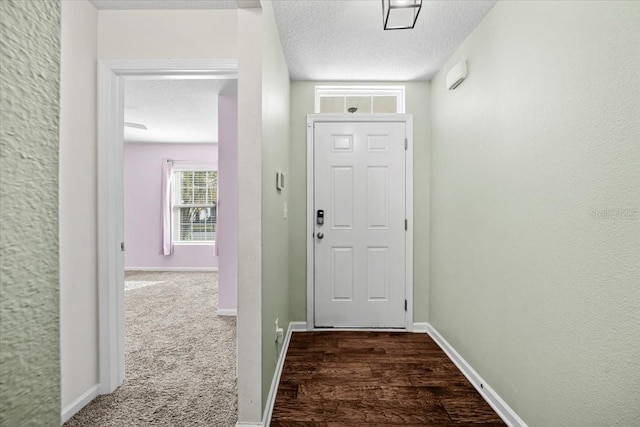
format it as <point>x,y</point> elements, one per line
<point>405,305</point>
<point>406,143</point>
<point>122,246</point>
<point>406,225</point>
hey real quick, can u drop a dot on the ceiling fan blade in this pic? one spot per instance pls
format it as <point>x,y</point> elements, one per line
<point>135,125</point>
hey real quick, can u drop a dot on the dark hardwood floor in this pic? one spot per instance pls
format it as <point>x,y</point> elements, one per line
<point>374,378</point>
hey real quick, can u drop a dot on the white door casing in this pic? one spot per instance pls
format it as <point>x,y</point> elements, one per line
<point>360,258</point>
<point>110,194</point>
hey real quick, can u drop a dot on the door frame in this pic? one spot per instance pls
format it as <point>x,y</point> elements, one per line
<point>312,119</point>
<point>111,351</point>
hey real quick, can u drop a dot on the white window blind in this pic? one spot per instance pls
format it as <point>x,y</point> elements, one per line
<point>195,205</point>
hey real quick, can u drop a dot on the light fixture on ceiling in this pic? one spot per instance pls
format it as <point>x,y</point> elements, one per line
<point>400,14</point>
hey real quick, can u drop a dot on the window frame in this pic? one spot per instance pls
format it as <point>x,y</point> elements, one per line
<point>397,91</point>
<point>176,206</point>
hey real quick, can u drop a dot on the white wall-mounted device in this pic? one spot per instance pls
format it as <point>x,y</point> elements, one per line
<point>456,75</point>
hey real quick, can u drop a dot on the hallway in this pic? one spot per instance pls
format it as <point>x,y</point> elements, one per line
<point>374,378</point>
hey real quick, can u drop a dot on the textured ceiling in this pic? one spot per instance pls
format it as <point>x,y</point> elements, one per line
<point>344,39</point>
<point>165,4</point>
<point>323,40</point>
<point>179,111</point>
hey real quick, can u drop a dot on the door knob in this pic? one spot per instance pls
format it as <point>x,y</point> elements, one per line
<point>320,236</point>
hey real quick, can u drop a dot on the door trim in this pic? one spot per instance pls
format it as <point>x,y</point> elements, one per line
<point>110,188</point>
<point>312,119</point>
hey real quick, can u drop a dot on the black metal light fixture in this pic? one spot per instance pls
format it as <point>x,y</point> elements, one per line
<point>400,14</point>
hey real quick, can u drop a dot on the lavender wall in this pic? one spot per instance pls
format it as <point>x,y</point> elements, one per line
<point>227,204</point>
<point>142,181</point>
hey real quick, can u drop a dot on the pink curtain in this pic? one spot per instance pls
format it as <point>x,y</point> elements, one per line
<point>166,213</point>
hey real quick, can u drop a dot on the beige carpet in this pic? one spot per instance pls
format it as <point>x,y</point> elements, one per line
<point>180,357</point>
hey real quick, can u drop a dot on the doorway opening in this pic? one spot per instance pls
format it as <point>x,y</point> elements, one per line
<point>195,221</point>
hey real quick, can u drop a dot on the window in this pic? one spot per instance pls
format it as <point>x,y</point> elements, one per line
<point>365,99</point>
<point>194,207</point>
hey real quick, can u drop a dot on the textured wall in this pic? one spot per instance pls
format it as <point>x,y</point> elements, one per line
<point>535,272</point>
<point>29,307</point>
<point>142,193</point>
<point>302,103</point>
<point>275,228</point>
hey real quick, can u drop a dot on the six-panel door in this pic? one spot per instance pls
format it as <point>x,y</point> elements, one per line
<point>359,183</point>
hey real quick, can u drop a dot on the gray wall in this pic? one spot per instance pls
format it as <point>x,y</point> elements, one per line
<point>302,103</point>
<point>275,228</point>
<point>535,272</point>
<point>29,306</point>
<point>249,330</point>
<point>78,214</point>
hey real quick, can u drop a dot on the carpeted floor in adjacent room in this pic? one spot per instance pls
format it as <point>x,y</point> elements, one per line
<point>180,356</point>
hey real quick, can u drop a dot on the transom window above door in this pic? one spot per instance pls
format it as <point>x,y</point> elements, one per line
<point>359,99</point>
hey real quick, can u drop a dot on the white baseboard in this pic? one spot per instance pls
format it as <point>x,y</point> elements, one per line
<point>420,327</point>
<point>171,269</point>
<point>298,326</point>
<point>239,424</point>
<point>507,414</point>
<point>353,329</point>
<point>227,312</point>
<point>82,401</point>
<point>273,390</point>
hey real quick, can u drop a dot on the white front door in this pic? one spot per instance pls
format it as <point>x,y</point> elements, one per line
<point>359,191</point>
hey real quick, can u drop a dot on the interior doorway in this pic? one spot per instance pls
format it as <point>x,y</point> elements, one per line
<point>112,77</point>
